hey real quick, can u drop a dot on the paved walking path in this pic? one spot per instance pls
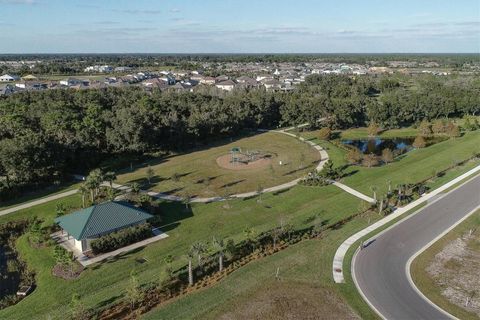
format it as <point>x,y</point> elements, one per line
<point>67,243</point>
<point>353,192</point>
<point>323,159</point>
<point>37,202</point>
<point>342,250</point>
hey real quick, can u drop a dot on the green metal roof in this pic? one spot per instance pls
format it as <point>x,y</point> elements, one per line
<point>101,219</point>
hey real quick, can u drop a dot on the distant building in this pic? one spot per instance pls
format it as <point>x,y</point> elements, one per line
<point>226,85</point>
<point>208,80</point>
<point>122,69</point>
<point>9,78</point>
<point>71,82</point>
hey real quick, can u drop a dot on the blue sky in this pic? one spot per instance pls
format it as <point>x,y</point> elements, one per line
<point>243,26</point>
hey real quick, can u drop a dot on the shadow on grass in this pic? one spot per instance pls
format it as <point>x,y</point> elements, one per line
<point>230,184</point>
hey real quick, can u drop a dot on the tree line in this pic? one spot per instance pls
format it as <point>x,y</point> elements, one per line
<point>47,135</point>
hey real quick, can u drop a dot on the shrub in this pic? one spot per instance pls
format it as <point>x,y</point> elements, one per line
<point>121,238</point>
<point>325,133</point>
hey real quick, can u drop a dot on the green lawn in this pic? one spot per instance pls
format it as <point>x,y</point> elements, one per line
<point>193,168</point>
<point>38,194</point>
<point>427,284</point>
<point>307,265</point>
<point>103,283</point>
<point>415,165</point>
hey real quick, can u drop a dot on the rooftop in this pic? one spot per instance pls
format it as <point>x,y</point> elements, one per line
<point>101,219</point>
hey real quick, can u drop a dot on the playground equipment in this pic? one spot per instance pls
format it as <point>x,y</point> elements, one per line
<point>237,156</point>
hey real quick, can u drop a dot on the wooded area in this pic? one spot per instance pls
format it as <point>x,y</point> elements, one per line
<point>47,135</point>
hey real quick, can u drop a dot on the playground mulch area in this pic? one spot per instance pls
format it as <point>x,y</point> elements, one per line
<point>208,173</point>
<point>226,162</point>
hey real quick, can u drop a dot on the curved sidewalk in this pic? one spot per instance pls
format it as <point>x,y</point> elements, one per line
<point>323,159</point>
<point>337,266</point>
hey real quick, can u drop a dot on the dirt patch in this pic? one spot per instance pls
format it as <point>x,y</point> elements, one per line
<point>285,300</point>
<point>67,272</point>
<point>225,162</point>
<point>455,269</point>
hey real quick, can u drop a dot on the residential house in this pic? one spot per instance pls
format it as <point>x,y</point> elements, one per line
<point>9,78</point>
<point>221,78</point>
<point>208,80</point>
<point>226,85</point>
<point>71,82</point>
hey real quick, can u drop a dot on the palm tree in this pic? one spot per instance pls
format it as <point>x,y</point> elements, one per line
<point>374,190</point>
<point>94,180</point>
<point>110,176</point>
<point>220,246</point>
<point>276,233</point>
<point>199,248</point>
<point>83,190</point>
<point>190,256</point>
<point>250,234</point>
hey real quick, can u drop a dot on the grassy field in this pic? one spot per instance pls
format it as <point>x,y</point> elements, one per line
<point>411,167</point>
<point>200,175</point>
<point>303,267</point>
<point>38,194</point>
<point>430,286</point>
<point>305,287</point>
<point>104,283</point>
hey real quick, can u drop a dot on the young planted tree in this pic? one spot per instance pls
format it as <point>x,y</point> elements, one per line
<point>325,133</point>
<point>425,129</point>
<point>110,176</point>
<point>438,126</point>
<point>276,234</point>
<point>133,293</point>
<point>251,237</point>
<point>150,174</point>
<point>60,209</point>
<point>219,245</point>
<point>302,160</point>
<point>259,192</point>
<point>199,249</point>
<point>373,129</point>
<point>354,156</point>
<point>168,264</point>
<point>387,155</point>
<point>78,311</point>
<point>370,160</point>
<point>83,191</point>
<point>452,130</point>
<point>135,187</point>
<point>419,142</point>
<point>190,256</point>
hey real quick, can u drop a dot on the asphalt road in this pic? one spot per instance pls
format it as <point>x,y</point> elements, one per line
<point>380,268</point>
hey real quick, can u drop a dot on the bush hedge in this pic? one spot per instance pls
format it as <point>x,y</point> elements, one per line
<point>121,238</point>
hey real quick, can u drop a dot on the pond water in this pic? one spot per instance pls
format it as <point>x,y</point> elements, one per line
<point>377,145</point>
